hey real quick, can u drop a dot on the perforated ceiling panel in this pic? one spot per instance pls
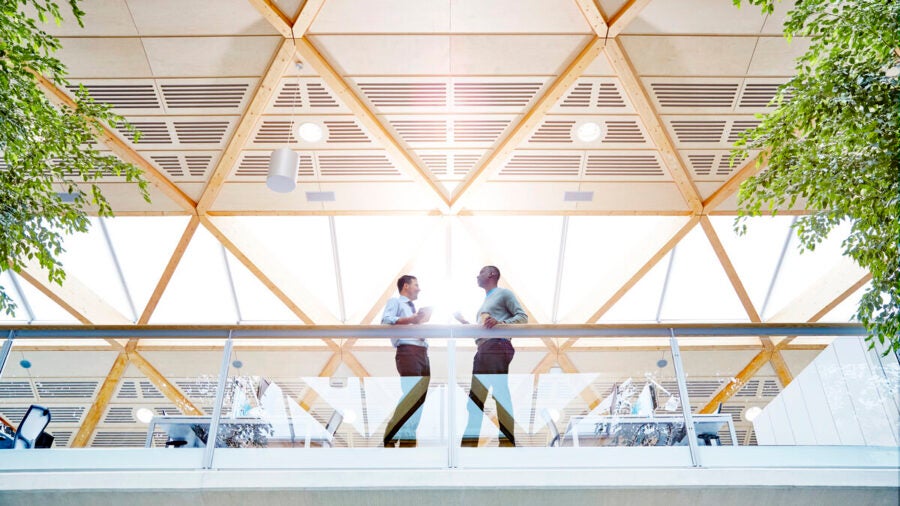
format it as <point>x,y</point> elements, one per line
<point>187,132</point>
<point>458,94</point>
<point>708,131</point>
<point>594,95</point>
<point>184,165</point>
<point>304,95</point>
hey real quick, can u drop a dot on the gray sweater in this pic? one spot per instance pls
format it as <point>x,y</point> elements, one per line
<point>504,307</point>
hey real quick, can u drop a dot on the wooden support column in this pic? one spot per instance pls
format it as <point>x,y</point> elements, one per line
<point>98,407</point>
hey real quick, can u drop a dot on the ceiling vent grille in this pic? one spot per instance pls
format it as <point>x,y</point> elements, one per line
<point>623,132</point>
<point>66,414</point>
<point>16,390</point>
<point>486,131</point>
<point>66,389</point>
<point>343,132</point>
<point>176,167</point>
<point>61,439</point>
<point>289,96</point>
<point>148,391</point>
<point>258,166</point>
<point>750,389</point>
<point>543,165</point>
<point>169,163</point>
<point>356,165</point>
<point>608,96</point>
<point>119,415</point>
<point>319,96</point>
<point>623,165</point>
<point>695,94</point>
<point>201,389</point>
<point>770,388</point>
<point>727,166</point>
<point>580,96</point>
<point>127,390</point>
<point>511,94</point>
<point>701,164</point>
<point>197,165</point>
<point>416,131</point>
<point>758,95</point>
<point>436,163</point>
<point>204,96</point>
<point>122,96</point>
<point>464,163</point>
<point>554,131</point>
<point>200,132</point>
<point>275,132</point>
<point>14,414</point>
<point>152,132</point>
<point>739,127</point>
<point>107,439</point>
<point>406,94</point>
<point>698,131</point>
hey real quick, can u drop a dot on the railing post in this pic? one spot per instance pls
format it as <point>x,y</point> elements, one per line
<point>685,400</point>
<point>4,352</point>
<point>452,449</point>
<point>217,409</point>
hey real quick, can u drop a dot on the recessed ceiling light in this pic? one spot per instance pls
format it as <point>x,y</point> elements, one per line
<point>751,413</point>
<point>588,131</point>
<point>349,416</point>
<point>143,415</point>
<point>310,132</point>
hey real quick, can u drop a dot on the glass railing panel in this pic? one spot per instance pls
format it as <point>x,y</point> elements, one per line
<point>339,394</point>
<point>604,396</point>
<point>804,392</point>
<point>98,396</point>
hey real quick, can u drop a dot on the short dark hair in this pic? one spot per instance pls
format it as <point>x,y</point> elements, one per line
<point>493,270</point>
<point>404,279</point>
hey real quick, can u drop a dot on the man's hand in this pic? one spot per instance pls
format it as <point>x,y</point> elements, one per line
<point>460,318</point>
<point>489,322</point>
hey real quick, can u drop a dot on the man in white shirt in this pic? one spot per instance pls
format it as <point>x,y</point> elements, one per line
<point>412,364</point>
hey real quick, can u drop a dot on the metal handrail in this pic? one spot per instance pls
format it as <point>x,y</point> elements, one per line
<point>431,331</point>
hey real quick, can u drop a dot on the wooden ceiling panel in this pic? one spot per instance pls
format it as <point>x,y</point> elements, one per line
<point>391,16</point>
<point>104,58</point>
<point>775,22</point>
<point>104,18</point>
<point>385,54</point>
<point>375,197</point>
<point>339,132</point>
<point>774,56</point>
<point>513,54</point>
<point>697,17</point>
<point>689,56</point>
<point>198,17</point>
<point>620,132</point>
<point>172,57</point>
<point>549,196</point>
<point>594,95</point>
<point>517,16</point>
<point>304,95</point>
<point>125,199</point>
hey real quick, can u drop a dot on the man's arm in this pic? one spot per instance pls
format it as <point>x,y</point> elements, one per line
<point>515,309</point>
<point>392,316</point>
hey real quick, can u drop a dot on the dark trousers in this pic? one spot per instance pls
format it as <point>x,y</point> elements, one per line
<point>490,371</point>
<point>415,375</point>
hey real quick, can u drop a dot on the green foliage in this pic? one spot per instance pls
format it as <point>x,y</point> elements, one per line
<point>833,142</point>
<point>46,149</point>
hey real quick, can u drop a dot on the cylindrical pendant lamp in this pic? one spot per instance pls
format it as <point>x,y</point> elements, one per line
<point>282,177</point>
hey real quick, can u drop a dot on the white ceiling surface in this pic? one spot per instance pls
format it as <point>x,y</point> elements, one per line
<point>186,71</point>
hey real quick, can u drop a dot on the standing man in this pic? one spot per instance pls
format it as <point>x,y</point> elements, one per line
<point>412,364</point>
<point>491,365</point>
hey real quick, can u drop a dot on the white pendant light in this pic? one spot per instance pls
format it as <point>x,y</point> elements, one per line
<point>282,177</point>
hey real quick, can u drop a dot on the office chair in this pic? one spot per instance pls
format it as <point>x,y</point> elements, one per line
<point>551,426</point>
<point>32,425</point>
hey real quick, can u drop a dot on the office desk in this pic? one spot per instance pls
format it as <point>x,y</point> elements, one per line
<point>631,430</point>
<point>283,433</point>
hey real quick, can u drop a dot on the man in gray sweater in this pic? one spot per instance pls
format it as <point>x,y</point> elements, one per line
<point>491,365</point>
